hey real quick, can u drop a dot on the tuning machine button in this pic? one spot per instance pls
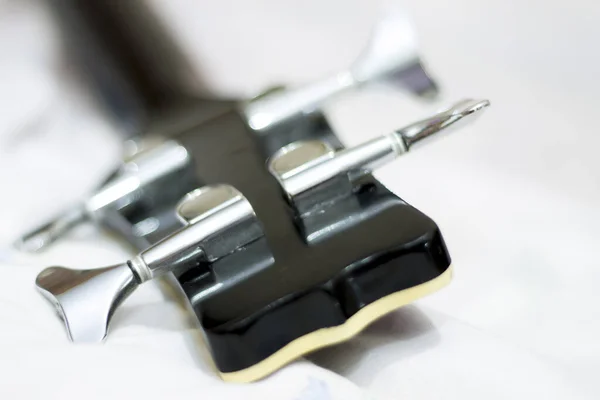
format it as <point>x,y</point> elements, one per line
<point>87,299</point>
<point>391,56</point>
<point>156,172</point>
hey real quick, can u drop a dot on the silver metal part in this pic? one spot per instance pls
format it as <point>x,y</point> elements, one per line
<point>128,183</point>
<point>135,146</point>
<point>391,55</point>
<point>208,211</point>
<point>462,112</point>
<point>205,201</point>
<point>143,169</point>
<point>296,157</point>
<point>88,298</point>
<point>303,165</point>
<point>49,232</point>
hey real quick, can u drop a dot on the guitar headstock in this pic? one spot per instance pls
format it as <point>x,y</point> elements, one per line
<point>277,235</point>
<point>294,253</point>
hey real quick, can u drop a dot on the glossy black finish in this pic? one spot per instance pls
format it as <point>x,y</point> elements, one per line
<point>317,262</point>
<point>311,269</point>
<point>138,72</point>
<point>149,218</point>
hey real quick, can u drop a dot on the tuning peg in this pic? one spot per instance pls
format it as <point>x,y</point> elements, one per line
<point>137,175</point>
<point>86,299</point>
<point>302,166</point>
<point>391,55</point>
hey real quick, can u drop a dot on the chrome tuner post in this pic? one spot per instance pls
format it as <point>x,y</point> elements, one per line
<point>304,166</point>
<point>139,176</point>
<point>391,55</point>
<point>156,172</point>
<point>87,298</point>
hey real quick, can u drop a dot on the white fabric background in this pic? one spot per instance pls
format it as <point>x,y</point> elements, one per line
<point>516,196</point>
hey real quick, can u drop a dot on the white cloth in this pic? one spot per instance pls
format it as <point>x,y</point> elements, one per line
<point>516,196</point>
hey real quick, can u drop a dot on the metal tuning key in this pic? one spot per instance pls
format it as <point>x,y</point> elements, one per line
<point>391,55</point>
<point>303,166</point>
<point>87,299</point>
<point>139,178</point>
<point>136,201</point>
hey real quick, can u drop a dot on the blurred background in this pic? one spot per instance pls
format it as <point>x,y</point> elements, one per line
<point>516,196</point>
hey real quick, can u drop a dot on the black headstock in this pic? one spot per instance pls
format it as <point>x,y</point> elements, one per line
<point>278,236</point>
<point>339,268</point>
<point>278,254</point>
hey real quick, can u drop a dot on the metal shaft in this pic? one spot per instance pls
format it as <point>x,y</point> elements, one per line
<point>367,156</point>
<point>48,233</point>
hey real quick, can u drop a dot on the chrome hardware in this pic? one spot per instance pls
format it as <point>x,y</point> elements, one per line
<point>304,165</point>
<point>134,178</point>
<point>391,55</point>
<point>87,299</point>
